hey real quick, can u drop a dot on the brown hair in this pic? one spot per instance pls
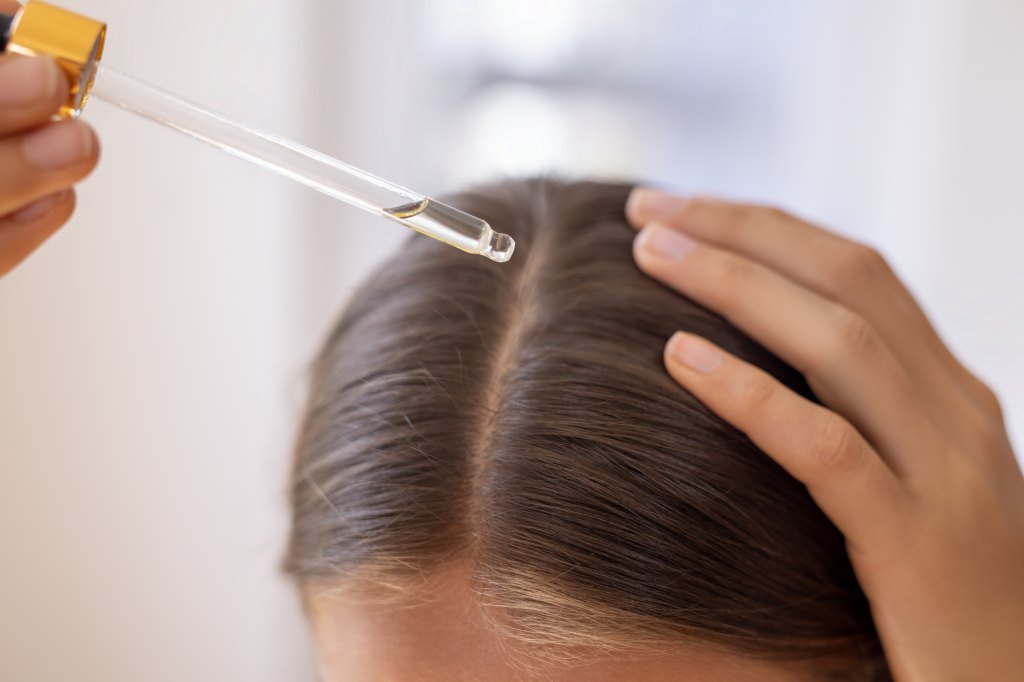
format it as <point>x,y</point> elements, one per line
<point>519,415</point>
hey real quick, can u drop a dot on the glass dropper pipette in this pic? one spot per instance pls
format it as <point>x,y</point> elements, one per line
<point>311,168</point>
<point>77,44</point>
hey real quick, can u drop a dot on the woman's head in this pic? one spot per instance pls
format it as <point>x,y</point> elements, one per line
<point>494,464</point>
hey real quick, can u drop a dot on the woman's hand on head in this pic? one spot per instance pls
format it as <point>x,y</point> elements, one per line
<point>40,160</point>
<point>909,456</point>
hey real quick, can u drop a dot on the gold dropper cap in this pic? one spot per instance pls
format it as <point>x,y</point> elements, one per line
<point>76,42</point>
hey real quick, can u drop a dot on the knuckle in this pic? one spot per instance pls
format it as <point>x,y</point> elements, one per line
<point>983,430</point>
<point>775,214</point>
<point>731,271</point>
<point>746,218</point>
<point>733,220</point>
<point>66,208</point>
<point>855,335</point>
<point>988,400</point>
<point>754,218</point>
<point>705,205</point>
<point>726,218</point>
<point>835,448</point>
<point>860,264</point>
<point>728,278</point>
<point>757,395</point>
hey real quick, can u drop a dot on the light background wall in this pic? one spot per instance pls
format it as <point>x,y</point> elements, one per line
<point>152,356</point>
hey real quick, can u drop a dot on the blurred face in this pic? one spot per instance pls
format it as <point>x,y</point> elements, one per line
<point>444,637</point>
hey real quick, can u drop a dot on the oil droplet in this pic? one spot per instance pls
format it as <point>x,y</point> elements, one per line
<point>408,210</point>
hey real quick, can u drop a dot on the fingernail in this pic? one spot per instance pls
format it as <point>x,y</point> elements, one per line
<point>648,204</point>
<point>27,80</point>
<point>695,353</point>
<point>38,209</point>
<point>664,242</point>
<point>58,145</point>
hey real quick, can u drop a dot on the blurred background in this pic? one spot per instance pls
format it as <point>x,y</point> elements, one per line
<point>153,355</point>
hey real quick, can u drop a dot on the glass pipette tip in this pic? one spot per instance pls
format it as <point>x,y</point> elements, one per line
<point>306,166</point>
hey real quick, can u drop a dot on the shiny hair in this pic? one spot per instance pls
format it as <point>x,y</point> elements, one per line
<point>519,417</point>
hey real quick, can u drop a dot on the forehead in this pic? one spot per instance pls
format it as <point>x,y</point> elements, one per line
<point>445,636</point>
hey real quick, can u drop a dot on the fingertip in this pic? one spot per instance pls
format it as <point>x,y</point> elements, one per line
<point>642,255</point>
<point>672,347</point>
<point>693,353</point>
<point>60,214</point>
<point>638,249</point>
<point>70,148</point>
<point>634,207</point>
<point>68,204</point>
<point>45,208</point>
<point>658,242</point>
<point>93,150</point>
<point>646,204</point>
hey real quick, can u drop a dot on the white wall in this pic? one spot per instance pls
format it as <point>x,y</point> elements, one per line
<point>152,356</point>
